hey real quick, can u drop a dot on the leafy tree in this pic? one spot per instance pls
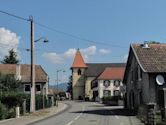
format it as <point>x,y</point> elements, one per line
<point>11,58</point>
<point>69,87</point>
<point>9,83</point>
<point>153,42</point>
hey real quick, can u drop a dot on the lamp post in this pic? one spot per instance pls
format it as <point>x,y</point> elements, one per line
<point>57,71</point>
<point>32,101</point>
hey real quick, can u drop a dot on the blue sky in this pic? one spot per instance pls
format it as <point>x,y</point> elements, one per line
<point>114,22</point>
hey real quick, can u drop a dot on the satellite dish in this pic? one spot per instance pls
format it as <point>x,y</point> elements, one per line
<point>160,80</point>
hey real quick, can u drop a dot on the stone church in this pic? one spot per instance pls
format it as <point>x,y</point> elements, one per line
<point>84,73</point>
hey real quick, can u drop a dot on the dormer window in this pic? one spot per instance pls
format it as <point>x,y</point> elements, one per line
<point>79,71</point>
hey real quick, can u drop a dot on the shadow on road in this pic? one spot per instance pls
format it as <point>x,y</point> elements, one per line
<point>108,112</point>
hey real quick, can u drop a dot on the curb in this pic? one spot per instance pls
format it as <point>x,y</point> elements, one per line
<point>59,111</point>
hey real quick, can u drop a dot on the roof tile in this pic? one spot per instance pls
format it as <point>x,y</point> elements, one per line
<point>25,72</point>
<point>78,61</point>
<point>113,73</point>
<point>152,59</point>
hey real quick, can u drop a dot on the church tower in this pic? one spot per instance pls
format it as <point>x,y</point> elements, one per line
<point>78,79</point>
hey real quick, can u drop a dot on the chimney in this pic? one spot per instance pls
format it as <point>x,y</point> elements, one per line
<point>18,72</point>
<point>145,45</point>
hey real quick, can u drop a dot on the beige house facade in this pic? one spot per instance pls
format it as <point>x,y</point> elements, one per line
<point>84,73</point>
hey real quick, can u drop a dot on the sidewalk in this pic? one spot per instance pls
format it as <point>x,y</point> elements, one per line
<point>38,115</point>
<point>135,121</point>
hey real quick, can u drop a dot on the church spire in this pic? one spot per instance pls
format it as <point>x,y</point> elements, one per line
<point>78,60</point>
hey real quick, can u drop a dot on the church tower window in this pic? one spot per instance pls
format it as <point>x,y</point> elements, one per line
<point>79,71</point>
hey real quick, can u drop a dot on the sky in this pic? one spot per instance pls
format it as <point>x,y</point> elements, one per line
<point>102,29</point>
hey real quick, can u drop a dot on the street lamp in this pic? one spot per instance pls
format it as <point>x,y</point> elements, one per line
<point>57,71</point>
<point>45,40</point>
<point>32,102</point>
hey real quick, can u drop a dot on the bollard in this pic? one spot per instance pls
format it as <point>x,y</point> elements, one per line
<point>24,106</point>
<point>17,112</point>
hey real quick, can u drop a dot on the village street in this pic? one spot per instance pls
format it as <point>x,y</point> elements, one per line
<point>90,113</point>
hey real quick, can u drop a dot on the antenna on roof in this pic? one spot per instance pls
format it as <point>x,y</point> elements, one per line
<point>145,45</point>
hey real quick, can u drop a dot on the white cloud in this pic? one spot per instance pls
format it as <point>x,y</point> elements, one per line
<point>8,40</point>
<point>70,53</point>
<point>104,51</point>
<point>89,51</point>
<point>125,57</point>
<point>53,57</point>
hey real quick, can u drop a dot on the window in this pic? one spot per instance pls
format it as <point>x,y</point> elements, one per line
<point>106,83</point>
<point>27,88</point>
<point>117,83</point>
<point>106,93</point>
<point>116,93</point>
<point>38,87</point>
<point>79,71</point>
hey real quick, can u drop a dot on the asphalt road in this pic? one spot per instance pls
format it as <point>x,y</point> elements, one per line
<point>90,113</point>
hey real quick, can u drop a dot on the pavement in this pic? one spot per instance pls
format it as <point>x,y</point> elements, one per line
<point>37,116</point>
<point>77,113</point>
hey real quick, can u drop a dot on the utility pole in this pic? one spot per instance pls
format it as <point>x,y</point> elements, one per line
<point>32,102</point>
<point>57,86</point>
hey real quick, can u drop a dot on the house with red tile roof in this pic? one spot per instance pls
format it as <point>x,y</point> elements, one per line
<point>145,75</point>
<point>108,83</point>
<point>84,73</point>
<point>22,72</point>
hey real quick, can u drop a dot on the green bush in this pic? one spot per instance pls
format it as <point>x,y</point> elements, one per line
<point>12,99</point>
<point>3,111</point>
<point>9,100</point>
<point>111,98</point>
<point>11,112</point>
<point>39,102</point>
<point>107,98</point>
<point>142,113</point>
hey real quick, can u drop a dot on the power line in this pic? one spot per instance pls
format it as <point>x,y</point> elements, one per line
<point>64,33</point>
<point>13,15</point>
<point>77,37</point>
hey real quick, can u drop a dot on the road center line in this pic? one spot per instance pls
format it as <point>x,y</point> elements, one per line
<point>117,117</point>
<point>69,123</point>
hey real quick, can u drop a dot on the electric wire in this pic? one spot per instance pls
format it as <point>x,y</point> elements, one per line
<point>61,32</point>
<point>13,15</point>
<point>77,37</point>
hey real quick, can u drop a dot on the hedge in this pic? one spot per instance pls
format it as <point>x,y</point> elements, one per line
<point>9,100</point>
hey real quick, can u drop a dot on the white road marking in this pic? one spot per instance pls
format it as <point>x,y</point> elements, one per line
<point>69,123</point>
<point>78,116</point>
<point>117,117</point>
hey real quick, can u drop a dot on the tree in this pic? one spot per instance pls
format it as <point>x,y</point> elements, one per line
<point>69,87</point>
<point>154,42</point>
<point>8,83</point>
<point>11,58</point>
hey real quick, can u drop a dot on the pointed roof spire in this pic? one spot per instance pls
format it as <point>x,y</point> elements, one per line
<point>78,60</point>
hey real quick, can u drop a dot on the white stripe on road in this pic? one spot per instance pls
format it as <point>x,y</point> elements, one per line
<point>69,123</point>
<point>117,117</point>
